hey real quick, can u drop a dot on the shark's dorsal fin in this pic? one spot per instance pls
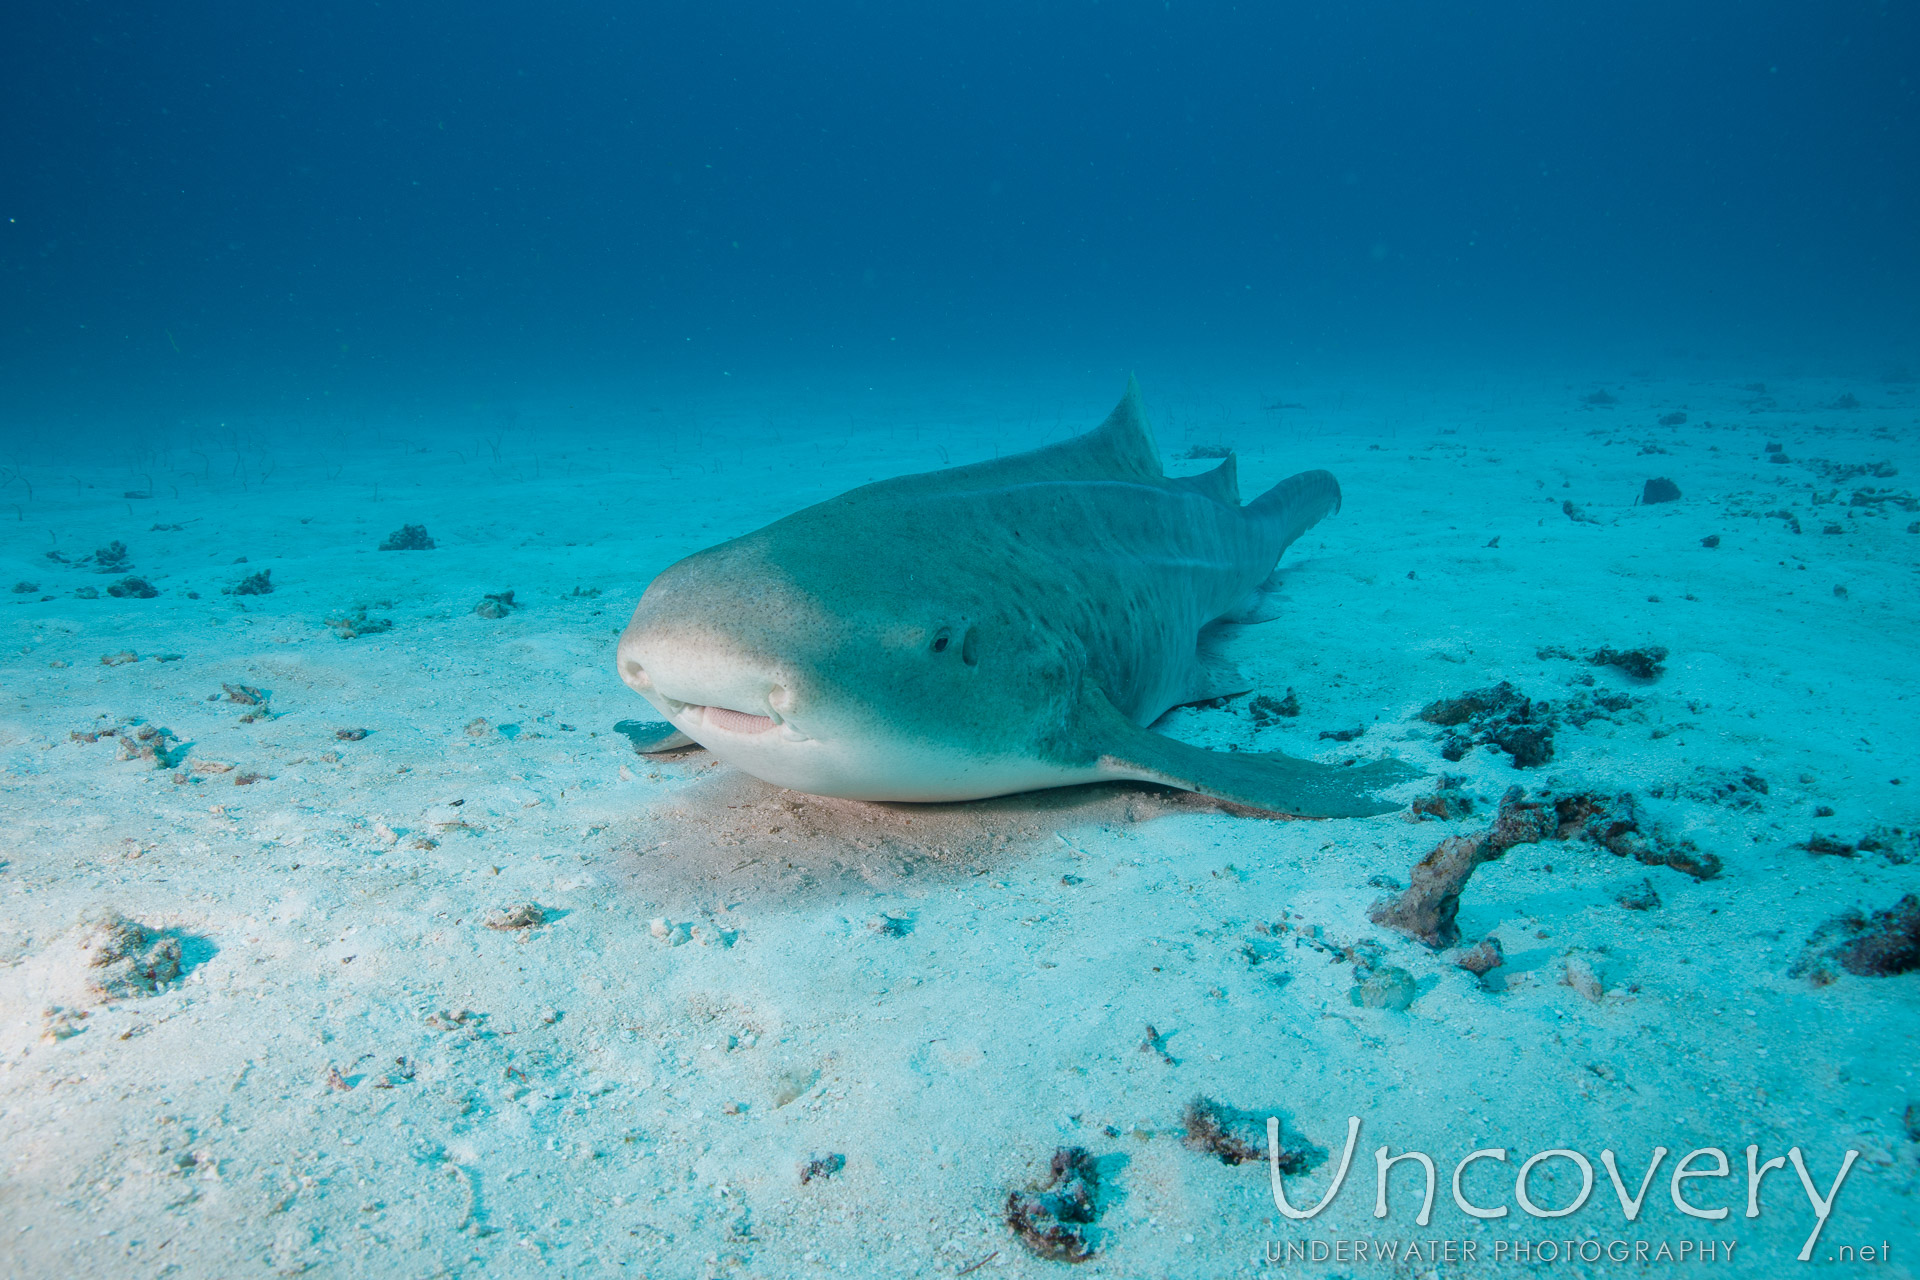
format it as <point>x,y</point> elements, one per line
<point>1125,437</point>
<point>1121,448</point>
<point>1222,484</point>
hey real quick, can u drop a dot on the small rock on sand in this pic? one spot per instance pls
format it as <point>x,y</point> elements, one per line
<point>408,537</point>
<point>1483,959</point>
<point>1639,897</point>
<point>1582,977</point>
<point>523,916</point>
<point>1052,1220</point>
<point>125,958</point>
<point>1385,988</point>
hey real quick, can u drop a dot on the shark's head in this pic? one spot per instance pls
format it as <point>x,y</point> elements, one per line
<point>834,681</point>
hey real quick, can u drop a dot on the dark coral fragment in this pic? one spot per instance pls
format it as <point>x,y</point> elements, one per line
<point>351,625</point>
<point>408,537</point>
<point>496,605</point>
<point>127,958</point>
<point>523,915</point>
<point>1520,821</point>
<point>1265,709</point>
<point>1427,909</point>
<point>1892,843</point>
<point>1530,745</point>
<point>1876,946</point>
<point>1588,705</point>
<point>1448,712</point>
<point>1639,897</point>
<point>1053,1220</point>
<point>1238,1137</point>
<point>1737,788</point>
<point>822,1167</point>
<point>1483,959</point>
<point>1499,715</point>
<point>1621,828</point>
<point>1643,663</point>
<point>1447,802</point>
<point>157,746</point>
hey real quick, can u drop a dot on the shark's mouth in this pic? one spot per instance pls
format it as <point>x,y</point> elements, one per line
<point>734,721</point>
<point>726,718</point>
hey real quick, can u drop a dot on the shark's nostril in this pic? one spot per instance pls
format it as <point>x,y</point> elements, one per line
<point>636,675</point>
<point>780,698</point>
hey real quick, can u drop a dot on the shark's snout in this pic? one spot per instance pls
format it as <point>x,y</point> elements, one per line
<point>701,687</point>
<point>627,661</point>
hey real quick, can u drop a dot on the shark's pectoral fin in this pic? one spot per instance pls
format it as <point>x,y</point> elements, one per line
<point>653,737</point>
<point>1214,674</point>
<point>1268,781</point>
<point>1262,604</point>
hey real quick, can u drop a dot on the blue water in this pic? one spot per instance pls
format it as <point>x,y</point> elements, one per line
<point>466,986</point>
<point>214,207</point>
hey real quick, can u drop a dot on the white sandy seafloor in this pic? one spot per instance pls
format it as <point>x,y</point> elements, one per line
<point>355,1076</point>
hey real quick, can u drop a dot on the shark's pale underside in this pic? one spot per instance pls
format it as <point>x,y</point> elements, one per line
<point>986,629</point>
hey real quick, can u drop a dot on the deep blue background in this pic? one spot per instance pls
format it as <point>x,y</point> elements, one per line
<point>234,198</point>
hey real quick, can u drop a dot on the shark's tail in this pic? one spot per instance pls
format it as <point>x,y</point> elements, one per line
<point>1284,512</point>
<point>1295,505</point>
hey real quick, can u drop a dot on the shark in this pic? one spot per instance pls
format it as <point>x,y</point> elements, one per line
<point>1001,627</point>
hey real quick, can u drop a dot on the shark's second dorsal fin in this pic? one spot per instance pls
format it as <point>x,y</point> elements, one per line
<point>1222,484</point>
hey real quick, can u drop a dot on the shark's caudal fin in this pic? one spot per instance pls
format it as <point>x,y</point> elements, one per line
<point>1268,781</point>
<point>1296,504</point>
<point>1288,510</point>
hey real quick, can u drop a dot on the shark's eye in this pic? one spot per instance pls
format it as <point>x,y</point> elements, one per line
<point>940,641</point>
